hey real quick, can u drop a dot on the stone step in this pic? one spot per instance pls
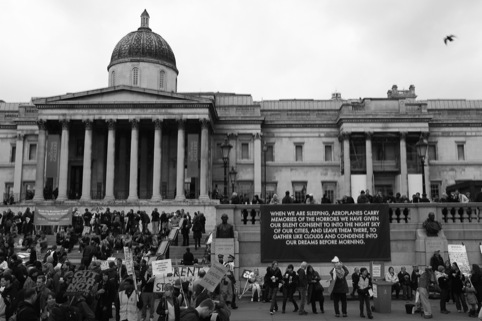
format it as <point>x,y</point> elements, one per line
<point>176,252</point>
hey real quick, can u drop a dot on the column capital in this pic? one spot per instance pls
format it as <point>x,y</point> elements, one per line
<point>111,123</point>
<point>403,135</point>
<point>204,123</point>
<point>158,123</point>
<point>345,135</point>
<point>65,123</point>
<point>231,135</point>
<point>20,136</point>
<point>88,123</point>
<point>368,135</point>
<point>257,135</point>
<point>42,124</point>
<point>134,123</point>
<point>181,123</point>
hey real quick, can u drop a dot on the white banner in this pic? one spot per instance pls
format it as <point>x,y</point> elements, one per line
<point>458,254</point>
<point>161,267</point>
<point>128,261</point>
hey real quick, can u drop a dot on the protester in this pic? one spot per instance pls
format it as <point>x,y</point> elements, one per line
<point>340,286</point>
<point>364,287</point>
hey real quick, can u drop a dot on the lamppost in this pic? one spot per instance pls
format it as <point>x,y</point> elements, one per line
<point>232,178</point>
<point>422,146</point>
<point>225,148</point>
<point>265,149</point>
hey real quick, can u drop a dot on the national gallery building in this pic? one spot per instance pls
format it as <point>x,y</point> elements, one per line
<point>140,139</point>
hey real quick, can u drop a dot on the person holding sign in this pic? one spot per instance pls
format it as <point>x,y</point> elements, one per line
<point>129,302</point>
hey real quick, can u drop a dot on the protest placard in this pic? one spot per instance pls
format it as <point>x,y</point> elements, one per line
<point>458,254</point>
<point>129,262</point>
<point>182,272</point>
<point>82,282</point>
<point>86,230</point>
<point>213,276</point>
<point>161,267</point>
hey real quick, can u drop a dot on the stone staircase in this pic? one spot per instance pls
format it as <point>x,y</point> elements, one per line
<point>176,253</point>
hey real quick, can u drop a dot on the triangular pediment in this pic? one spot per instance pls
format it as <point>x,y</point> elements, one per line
<point>121,94</point>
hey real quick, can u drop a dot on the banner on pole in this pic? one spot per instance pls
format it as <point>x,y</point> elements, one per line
<point>129,262</point>
<point>53,153</point>
<point>183,272</point>
<point>53,215</point>
<point>317,233</point>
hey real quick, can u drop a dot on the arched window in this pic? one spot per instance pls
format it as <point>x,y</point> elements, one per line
<point>135,77</point>
<point>112,78</point>
<point>162,79</point>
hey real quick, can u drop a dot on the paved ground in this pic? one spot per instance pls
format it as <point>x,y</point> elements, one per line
<point>254,311</point>
<point>257,311</point>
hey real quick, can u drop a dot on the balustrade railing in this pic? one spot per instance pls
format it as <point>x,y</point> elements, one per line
<point>399,213</point>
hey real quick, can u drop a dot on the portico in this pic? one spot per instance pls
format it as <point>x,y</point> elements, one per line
<point>119,150</point>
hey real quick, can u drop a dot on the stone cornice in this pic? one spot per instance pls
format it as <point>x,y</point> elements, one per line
<point>452,124</point>
<point>298,125</point>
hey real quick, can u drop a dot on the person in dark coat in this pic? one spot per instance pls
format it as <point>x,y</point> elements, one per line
<point>436,260</point>
<point>315,289</point>
<point>340,286</point>
<point>302,287</point>
<point>274,278</point>
<point>9,295</point>
<point>26,309</point>
<point>168,304</point>
<point>476,279</point>
<point>287,199</point>
<point>290,283</point>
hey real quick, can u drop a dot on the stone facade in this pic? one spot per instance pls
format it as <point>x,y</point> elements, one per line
<point>141,142</point>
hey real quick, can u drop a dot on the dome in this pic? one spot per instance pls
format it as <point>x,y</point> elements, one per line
<point>143,45</point>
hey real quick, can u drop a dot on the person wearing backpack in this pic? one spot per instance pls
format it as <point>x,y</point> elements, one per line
<point>26,310</point>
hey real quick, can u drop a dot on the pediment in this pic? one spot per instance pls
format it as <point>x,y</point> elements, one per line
<point>119,95</point>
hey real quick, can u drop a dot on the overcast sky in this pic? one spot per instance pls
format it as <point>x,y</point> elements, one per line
<point>279,49</point>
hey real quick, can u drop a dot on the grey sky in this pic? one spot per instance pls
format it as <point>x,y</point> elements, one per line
<point>277,49</point>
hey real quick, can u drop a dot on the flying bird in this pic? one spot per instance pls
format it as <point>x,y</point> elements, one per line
<point>449,38</point>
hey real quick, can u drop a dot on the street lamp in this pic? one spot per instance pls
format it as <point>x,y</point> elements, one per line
<point>225,148</point>
<point>232,177</point>
<point>422,146</point>
<point>265,149</point>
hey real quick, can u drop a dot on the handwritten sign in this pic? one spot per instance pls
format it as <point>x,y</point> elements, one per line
<point>129,262</point>
<point>161,267</point>
<point>82,282</point>
<point>458,254</point>
<point>213,276</point>
<point>86,230</point>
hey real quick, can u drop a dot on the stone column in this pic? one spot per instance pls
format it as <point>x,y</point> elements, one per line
<point>134,160</point>
<point>257,164</point>
<point>87,171</point>
<point>17,180</point>
<point>403,164</point>
<point>180,196</point>
<point>39,175</point>
<point>369,161</point>
<point>346,163</point>
<point>64,160</point>
<point>156,177</point>
<point>203,173</point>
<point>110,166</point>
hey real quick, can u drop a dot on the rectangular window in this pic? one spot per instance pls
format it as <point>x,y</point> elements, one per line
<point>244,150</point>
<point>270,191</point>
<point>299,153</point>
<point>270,153</point>
<point>32,152</point>
<point>329,190</point>
<point>432,152</point>
<point>434,190</point>
<point>328,152</point>
<point>13,152</point>
<point>461,151</point>
<point>299,191</point>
